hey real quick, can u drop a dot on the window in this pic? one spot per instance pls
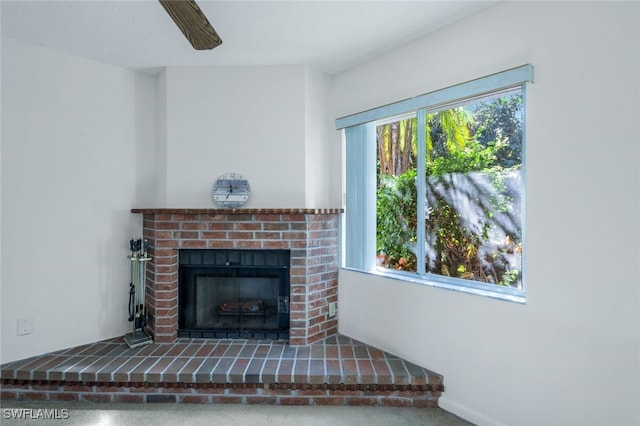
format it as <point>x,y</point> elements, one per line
<point>435,187</point>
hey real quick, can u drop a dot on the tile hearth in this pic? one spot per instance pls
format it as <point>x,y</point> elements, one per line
<point>335,371</point>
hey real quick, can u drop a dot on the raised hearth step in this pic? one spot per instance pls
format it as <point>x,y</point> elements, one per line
<point>335,371</point>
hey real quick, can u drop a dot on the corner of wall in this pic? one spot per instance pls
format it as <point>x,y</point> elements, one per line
<point>317,154</point>
<point>161,139</point>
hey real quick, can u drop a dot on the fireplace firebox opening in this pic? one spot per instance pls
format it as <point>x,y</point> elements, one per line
<point>234,294</point>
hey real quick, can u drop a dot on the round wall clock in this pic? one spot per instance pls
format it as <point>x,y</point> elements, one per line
<point>231,190</point>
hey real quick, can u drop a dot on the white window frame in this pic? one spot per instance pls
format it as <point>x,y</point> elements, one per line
<point>360,177</point>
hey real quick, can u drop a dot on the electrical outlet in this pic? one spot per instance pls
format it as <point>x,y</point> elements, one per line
<point>332,309</point>
<point>25,326</point>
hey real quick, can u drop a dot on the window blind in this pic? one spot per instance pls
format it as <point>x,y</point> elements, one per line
<point>502,80</point>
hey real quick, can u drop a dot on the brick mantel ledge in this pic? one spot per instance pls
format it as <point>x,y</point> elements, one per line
<point>235,211</point>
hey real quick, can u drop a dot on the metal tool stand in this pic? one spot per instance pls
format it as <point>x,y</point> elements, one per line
<point>137,314</point>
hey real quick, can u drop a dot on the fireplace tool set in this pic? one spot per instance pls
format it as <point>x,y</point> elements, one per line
<point>139,257</point>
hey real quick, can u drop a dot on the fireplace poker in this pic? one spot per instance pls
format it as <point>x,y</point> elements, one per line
<point>132,284</point>
<point>142,270</point>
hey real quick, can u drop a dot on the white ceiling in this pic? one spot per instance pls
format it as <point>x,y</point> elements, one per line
<point>140,35</point>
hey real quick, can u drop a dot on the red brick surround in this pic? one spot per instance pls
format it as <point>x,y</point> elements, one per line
<point>310,234</point>
<point>417,396</point>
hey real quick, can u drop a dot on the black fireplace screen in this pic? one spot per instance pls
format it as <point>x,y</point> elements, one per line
<point>234,294</point>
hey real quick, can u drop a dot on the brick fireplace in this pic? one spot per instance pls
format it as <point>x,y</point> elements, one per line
<point>311,235</point>
<point>335,370</point>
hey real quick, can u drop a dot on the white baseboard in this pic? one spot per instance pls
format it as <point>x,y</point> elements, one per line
<point>467,413</point>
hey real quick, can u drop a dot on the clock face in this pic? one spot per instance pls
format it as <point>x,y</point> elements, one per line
<point>231,190</point>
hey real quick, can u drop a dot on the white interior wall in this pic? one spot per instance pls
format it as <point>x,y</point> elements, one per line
<point>317,158</point>
<point>249,120</point>
<point>570,355</point>
<point>75,134</point>
<point>1,173</point>
<point>161,143</point>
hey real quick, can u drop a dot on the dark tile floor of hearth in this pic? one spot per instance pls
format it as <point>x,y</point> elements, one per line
<point>335,360</point>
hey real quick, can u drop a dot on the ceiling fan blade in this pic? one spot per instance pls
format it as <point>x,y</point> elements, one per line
<point>192,22</point>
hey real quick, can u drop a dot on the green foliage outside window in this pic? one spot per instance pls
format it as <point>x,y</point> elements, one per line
<point>473,164</point>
